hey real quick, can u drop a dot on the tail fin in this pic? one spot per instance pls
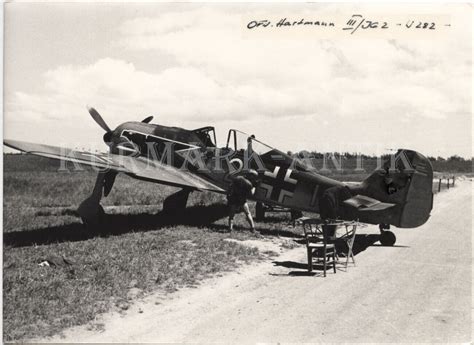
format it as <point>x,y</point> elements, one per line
<point>406,180</point>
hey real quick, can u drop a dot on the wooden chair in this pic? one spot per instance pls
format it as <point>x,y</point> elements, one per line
<point>319,244</point>
<point>321,237</point>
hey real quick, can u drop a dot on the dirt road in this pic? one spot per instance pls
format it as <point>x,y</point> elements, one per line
<point>417,291</point>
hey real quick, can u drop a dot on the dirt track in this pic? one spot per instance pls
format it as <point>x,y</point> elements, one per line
<point>417,291</point>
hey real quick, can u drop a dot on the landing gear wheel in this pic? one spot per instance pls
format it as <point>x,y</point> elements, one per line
<point>259,212</point>
<point>94,222</point>
<point>387,238</point>
<point>295,214</point>
<point>176,203</point>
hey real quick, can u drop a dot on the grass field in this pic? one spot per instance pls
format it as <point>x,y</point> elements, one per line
<point>138,251</point>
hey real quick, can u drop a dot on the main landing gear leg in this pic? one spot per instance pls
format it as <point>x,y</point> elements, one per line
<point>90,210</point>
<point>387,238</point>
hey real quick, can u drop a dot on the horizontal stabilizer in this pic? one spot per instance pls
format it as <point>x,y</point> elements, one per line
<point>365,203</point>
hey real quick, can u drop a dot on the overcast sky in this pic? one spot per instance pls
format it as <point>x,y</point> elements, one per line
<point>192,65</point>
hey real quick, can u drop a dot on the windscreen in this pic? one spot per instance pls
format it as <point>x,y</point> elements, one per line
<point>238,140</point>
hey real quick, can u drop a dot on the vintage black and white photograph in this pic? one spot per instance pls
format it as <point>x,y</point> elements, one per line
<point>180,172</point>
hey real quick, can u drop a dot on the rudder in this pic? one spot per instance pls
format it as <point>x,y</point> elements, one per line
<point>405,180</point>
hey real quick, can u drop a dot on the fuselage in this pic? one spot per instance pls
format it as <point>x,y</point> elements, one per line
<point>283,181</point>
<point>278,171</point>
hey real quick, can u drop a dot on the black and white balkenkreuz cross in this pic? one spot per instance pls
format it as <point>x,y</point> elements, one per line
<point>278,185</point>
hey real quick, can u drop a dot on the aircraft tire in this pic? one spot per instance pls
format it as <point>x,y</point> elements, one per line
<point>259,212</point>
<point>93,223</point>
<point>176,202</point>
<point>387,238</point>
<point>295,214</point>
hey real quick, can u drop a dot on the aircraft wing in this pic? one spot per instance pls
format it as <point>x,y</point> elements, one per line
<point>99,160</point>
<point>365,203</point>
<point>139,167</point>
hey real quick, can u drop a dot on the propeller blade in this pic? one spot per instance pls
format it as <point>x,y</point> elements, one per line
<point>148,119</point>
<point>97,118</point>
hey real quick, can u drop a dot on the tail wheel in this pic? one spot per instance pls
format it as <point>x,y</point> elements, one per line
<point>387,238</point>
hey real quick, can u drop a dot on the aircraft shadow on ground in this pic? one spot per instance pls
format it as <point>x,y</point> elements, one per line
<point>264,232</point>
<point>117,224</point>
<point>281,233</point>
<point>361,243</point>
<point>273,220</point>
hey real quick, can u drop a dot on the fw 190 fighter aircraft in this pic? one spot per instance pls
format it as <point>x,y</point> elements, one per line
<point>398,194</point>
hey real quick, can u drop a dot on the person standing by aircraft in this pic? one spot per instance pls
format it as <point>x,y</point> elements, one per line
<point>240,190</point>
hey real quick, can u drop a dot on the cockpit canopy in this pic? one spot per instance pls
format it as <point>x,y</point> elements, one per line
<point>207,135</point>
<point>241,141</point>
<point>238,140</point>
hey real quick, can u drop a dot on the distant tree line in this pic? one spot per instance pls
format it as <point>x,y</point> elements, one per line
<point>316,154</point>
<point>336,162</point>
<point>453,163</point>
